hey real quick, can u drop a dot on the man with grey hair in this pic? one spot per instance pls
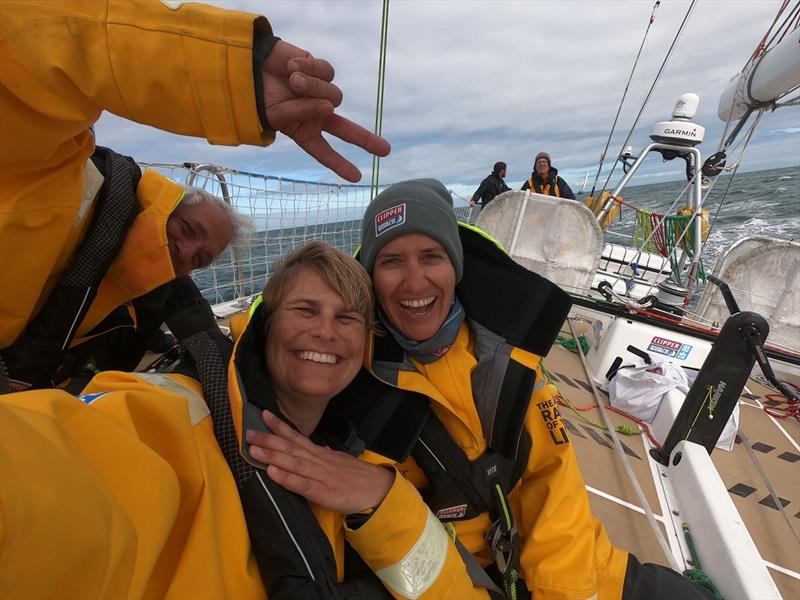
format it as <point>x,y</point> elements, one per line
<point>200,228</point>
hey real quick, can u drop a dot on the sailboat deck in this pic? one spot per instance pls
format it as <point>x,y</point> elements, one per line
<point>614,501</point>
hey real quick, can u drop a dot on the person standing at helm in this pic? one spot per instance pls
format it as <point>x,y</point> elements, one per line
<point>491,186</point>
<point>187,68</point>
<point>545,180</point>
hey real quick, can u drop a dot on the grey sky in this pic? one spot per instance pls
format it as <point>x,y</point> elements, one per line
<point>470,83</point>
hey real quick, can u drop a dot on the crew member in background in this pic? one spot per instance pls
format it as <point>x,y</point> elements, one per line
<point>187,68</point>
<point>491,186</point>
<point>545,179</point>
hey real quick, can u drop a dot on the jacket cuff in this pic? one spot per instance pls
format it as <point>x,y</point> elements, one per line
<point>393,529</point>
<point>263,43</point>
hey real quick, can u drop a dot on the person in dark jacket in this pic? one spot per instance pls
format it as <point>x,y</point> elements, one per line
<point>491,186</point>
<point>545,179</point>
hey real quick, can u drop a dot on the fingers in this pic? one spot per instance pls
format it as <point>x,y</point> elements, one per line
<point>278,59</point>
<point>315,87</point>
<point>310,489</point>
<point>300,101</point>
<point>316,67</point>
<point>316,146</point>
<point>291,437</point>
<point>286,58</point>
<point>354,133</point>
<point>292,113</point>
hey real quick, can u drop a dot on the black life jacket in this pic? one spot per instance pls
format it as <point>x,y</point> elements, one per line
<point>35,355</point>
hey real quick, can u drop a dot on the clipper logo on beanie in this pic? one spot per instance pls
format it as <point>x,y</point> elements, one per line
<point>390,218</point>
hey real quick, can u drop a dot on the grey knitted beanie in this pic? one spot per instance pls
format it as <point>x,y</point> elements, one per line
<point>415,206</point>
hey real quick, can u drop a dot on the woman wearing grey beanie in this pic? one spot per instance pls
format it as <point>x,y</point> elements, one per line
<point>458,401</point>
<point>467,329</point>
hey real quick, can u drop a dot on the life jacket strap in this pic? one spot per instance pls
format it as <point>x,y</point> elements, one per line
<point>477,574</point>
<point>33,359</point>
<point>504,542</point>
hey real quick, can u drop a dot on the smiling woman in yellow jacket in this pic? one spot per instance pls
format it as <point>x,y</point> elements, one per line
<point>341,536</point>
<point>497,460</point>
<point>183,67</point>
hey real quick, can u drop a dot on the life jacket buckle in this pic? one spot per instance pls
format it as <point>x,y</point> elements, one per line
<point>504,546</point>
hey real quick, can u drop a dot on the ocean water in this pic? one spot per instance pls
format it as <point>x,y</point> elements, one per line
<point>765,203</point>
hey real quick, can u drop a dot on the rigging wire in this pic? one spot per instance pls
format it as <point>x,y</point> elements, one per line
<point>786,26</point>
<point>734,169</point>
<point>652,87</point>
<point>762,45</point>
<point>625,93</point>
<point>782,30</point>
<point>376,160</point>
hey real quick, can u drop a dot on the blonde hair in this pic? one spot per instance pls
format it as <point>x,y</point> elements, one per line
<point>342,273</point>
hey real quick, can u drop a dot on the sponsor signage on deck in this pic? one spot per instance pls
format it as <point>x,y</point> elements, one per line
<point>669,348</point>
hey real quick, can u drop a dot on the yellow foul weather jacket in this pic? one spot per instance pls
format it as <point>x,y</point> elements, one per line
<point>566,553</point>
<point>185,68</point>
<point>128,491</point>
<point>473,389</point>
<point>122,493</point>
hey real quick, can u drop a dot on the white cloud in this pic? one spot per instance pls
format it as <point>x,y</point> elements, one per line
<point>470,83</point>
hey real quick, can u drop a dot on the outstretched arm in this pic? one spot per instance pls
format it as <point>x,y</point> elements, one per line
<point>478,195</point>
<point>187,70</point>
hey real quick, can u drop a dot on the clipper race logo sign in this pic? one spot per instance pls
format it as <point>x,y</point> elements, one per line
<point>669,348</point>
<point>452,512</point>
<point>390,218</point>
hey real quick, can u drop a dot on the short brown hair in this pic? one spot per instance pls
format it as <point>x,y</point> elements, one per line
<point>342,273</point>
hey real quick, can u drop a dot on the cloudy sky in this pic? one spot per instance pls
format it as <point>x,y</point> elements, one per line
<point>470,83</point>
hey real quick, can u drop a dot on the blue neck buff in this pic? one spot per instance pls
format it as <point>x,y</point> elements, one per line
<point>434,347</point>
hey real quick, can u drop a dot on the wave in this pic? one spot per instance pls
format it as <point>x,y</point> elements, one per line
<point>785,177</point>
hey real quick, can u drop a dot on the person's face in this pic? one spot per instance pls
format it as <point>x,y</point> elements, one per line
<point>315,345</point>
<point>414,282</point>
<point>197,234</point>
<point>502,172</point>
<point>542,167</point>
